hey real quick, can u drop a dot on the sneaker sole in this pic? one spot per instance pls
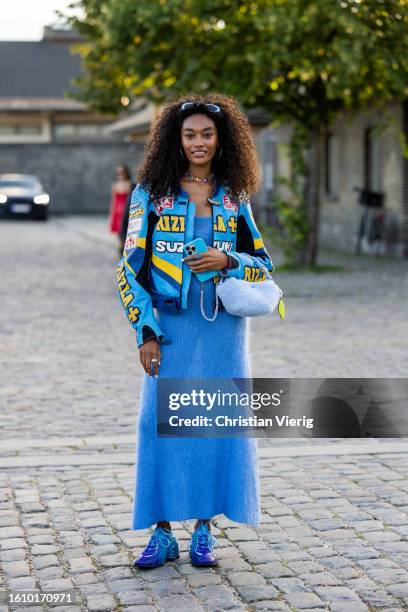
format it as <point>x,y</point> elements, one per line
<point>209,564</point>
<point>154,566</point>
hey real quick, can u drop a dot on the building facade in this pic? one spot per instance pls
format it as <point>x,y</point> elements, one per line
<point>360,152</point>
<point>46,133</point>
<point>365,153</point>
<point>74,151</point>
<point>362,162</point>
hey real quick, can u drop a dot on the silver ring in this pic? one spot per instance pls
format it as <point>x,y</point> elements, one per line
<point>155,360</point>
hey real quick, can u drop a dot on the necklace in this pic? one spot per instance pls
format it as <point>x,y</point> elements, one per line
<point>207,179</point>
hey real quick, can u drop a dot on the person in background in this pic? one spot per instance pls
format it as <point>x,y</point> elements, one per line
<point>125,217</point>
<point>121,188</point>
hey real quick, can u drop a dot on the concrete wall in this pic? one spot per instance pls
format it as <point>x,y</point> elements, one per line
<point>78,176</point>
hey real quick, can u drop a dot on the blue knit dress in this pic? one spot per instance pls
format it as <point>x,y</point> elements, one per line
<point>189,478</point>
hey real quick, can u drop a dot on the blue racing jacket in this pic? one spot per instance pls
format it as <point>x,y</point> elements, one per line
<point>151,273</point>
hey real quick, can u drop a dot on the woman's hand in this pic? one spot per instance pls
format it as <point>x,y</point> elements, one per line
<point>148,351</point>
<point>213,259</point>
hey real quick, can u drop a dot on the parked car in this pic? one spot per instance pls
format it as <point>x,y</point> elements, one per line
<point>23,195</point>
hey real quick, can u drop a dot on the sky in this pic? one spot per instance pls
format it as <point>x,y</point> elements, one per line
<point>25,19</point>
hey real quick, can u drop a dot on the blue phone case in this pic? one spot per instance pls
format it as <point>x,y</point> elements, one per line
<point>198,246</point>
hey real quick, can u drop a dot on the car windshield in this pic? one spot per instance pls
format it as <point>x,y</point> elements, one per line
<point>25,184</point>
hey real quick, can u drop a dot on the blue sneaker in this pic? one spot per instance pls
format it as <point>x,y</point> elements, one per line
<point>201,547</point>
<point>162,547</point>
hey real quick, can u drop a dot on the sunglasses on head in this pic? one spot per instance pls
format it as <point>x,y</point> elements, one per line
<point>213,108</point>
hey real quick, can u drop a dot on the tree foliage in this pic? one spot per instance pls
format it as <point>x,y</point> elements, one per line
<point>304,60</point>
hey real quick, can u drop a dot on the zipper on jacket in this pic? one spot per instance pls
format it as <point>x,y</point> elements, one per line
<point>212,244</point>
<point>188,208</point>
<point>182,263</point>
<point>186,221</point>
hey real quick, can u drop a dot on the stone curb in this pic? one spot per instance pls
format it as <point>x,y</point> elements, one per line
<point>361,448</point>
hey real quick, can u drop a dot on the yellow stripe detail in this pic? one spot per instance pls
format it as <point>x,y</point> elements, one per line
<point>141,242</point>
<point>130,268</point>
<point>258,243</point>
<point>167,267</point>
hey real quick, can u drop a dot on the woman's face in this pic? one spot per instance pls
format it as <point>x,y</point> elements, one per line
<point>120,173</point>
<point>199,139</point>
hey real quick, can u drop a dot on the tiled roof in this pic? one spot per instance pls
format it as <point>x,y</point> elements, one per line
<point>41,69</point>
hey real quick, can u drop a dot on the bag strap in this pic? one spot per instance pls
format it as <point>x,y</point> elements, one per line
<point>202,304</point>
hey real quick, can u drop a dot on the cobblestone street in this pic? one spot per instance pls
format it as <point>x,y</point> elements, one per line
<point>334,531</point>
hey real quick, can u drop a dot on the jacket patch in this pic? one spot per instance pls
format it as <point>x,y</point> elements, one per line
<point>134,225</point>
<point>124,288</point>
<point>162,203</point>
<point>133,314</point>
<point>130,242</point>
<point>254,274</point>
<point>168,246</point>
<point>230,203</point>
<point>219,224</point>
<point>171,223</point>
<point>232,224</point>
<point>223,245</point>
<point>137,212</point>
<point>135,205</point>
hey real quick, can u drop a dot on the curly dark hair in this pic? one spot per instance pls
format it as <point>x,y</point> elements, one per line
<point>163,166</point>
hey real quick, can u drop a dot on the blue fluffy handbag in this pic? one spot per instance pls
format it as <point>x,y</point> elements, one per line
<point>247,299</point>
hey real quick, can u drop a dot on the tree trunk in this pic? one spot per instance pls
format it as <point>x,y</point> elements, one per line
<point>308,256</point>
<point>404,226</point>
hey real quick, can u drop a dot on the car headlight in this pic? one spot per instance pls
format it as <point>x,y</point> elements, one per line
<point>3,198</point>
<point>44,198</point>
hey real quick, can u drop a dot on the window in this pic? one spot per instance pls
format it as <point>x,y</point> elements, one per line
<point>372,160</point>
<point>23,184</point>
<point>23,129</point>
<point>331,165</point>
<point>64,131</point>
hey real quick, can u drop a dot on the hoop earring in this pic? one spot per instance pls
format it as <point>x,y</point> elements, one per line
<point>219,153</point>
<point>181,153</point>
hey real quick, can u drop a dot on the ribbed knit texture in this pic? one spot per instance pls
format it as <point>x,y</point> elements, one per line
<point>185,478</point>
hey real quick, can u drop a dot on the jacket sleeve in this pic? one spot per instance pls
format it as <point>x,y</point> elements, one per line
<point>252,260</point>
<point>132,270</point>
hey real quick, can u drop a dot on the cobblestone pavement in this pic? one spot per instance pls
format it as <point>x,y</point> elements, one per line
<point>334,531</point>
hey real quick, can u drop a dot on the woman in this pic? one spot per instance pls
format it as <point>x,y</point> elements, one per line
<point>195,180</point>
<point>125,217</point>
<point>119,193</point>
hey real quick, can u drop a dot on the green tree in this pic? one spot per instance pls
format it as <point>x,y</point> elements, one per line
<point>305,61</point>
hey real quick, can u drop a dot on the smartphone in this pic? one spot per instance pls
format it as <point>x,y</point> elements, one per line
<point>194,248</point>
